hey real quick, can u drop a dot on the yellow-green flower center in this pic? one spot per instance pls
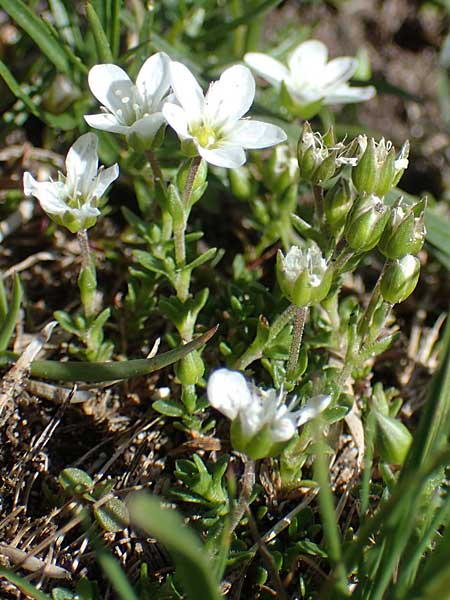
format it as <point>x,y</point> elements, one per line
<point>206,136</point>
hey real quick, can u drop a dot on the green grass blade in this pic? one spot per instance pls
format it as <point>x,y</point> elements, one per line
<point>91,372</point>
<point>101,41</point>
<point>188,554</point>
<point>12,315</point>
<point>38,32</point>
<point>115,575</point>
<point>3,300</point>
<point>62,21</point>
<point>25,586</point>
<point>438,235</point>
<point>114,34</point>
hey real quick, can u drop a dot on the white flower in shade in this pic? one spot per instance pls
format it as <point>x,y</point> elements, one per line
<point>128,108</point>
<point>261,420</point>
<point>72,200</point>
<point>303,274</point>
<point>309,77</point>
<point>214,123</point>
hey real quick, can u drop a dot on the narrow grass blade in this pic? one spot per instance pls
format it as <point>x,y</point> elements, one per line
<point>25,586</point>
<point>188,554</point>
<point>101,41</point>
<point>115,575</point>
<point>91,372</point>
<point>114,33</point>
<point>38,32</point>
<point>12,315</point>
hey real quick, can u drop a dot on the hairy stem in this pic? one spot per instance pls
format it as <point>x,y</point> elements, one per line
<point>297,335</point>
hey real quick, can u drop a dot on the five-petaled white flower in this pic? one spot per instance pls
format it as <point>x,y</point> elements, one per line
<point>128,108</point>
<point>309,78</point>
<point>72,200</point>
<point>213,123</point>
<point>262,417</point>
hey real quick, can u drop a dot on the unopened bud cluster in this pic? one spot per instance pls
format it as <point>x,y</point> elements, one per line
<point>358,176</point>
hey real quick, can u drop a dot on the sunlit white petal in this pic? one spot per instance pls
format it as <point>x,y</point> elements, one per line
<point>110,84</point>
<point>229,156</point>
<point>308,59</point>
<point>153,80</point>
<point>104,180</point>
<point>228,392</point>
<point>267,67</point>
<point>339,70</point>
<point>256,134</point>
<point>148,127</point>
<point>230,98</point>
<point>48,194</point>
<point>82,161</point>
<point>312,409</point>
<point>177,119</point>
<point>106,122</point>
<point>345,94</point>
<point>189,94</point>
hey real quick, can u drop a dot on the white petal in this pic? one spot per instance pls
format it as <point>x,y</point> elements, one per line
<point>187,91</point>
<point>177,119</point>
<point>267,67</point>
<point>283,429</point>
<point>104,180</point>
<point>106,122</point>
<point>49,194</point>
<point>308,60</point>
<point>82,161</point>
<point>227,155</point>
<point>339,70</point>
<point>256,134</point>
<point>109,84</point>
<point>228,392</point>
<point>345,94</point>
<point>312,408</point>
<point>153,80</point>
<point>147,127</point>
<point>231,97</point>
<point>85,212</point>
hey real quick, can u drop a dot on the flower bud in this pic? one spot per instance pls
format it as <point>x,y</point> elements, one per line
<point>400,279</point>
<point>281,170</point>
<point>378,170</point>
<point>241,183</point>
<point>405,232</point>
<point>303,275</point>
<point>316,161</point>
<point>198,185</point>
<point>190,369</point>
<point>365,223</point>
<point>393,439</point>
<point>338,201</point>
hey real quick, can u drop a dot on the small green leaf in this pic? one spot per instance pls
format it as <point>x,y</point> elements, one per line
<point>75,480</point>
<point>113,515</point>
<point>169,408</point>
<point>101,41</point>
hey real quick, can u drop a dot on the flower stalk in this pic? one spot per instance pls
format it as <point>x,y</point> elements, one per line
<point>296,342</point>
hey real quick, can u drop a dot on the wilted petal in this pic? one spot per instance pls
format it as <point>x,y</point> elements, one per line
<point>177,119</point>
<point>104,180</point>
<point>226,155</point>
<point>228,392</point>
<point>312,408</point>
<point>345,94</point>
<point>189,94</point>
<point>256,134</point>
<point>231,96</point>
<point>106,122</point>
<point>109,84</point>
<point>267,67</point>
<point>153,80</point>
<point>339,70</point>
<point>49,194</point>
<point>308,59</point>
<point>82,161</point>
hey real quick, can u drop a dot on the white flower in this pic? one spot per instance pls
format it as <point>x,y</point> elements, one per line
<point>309,77</point>
<point>72,200</point>
<point>213,123</point>
<point>256,409</point>
<point>130,108</point>
<point>300,260</point>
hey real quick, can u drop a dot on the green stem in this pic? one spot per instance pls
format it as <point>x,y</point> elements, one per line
<point>366,320</point>
<point>342,259</point>
<point>195,163</point>
<point>160,184</point>
<point>250,355</point>
<point>297,335</point>
<point>87,279</point>
<point>318,202</point>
